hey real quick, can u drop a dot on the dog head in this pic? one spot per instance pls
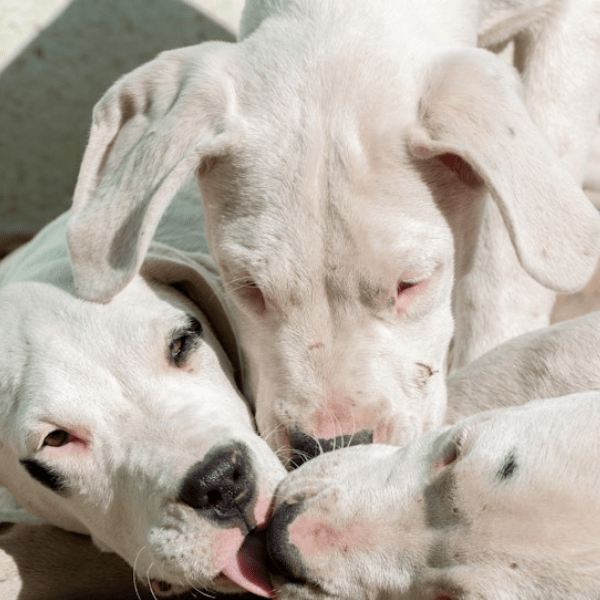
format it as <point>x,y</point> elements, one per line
<point>122,420</point>
<point>339,195</point>
<point>489,508</point>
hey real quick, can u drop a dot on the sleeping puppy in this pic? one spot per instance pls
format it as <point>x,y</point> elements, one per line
<point>502,505</point>
<point>122,420</point>
<point>368,177</point>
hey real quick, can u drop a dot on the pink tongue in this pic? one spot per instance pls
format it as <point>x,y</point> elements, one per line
<point>248,568</point>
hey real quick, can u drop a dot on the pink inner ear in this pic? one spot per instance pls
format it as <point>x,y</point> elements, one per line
<point>462,169</point>
<point>207,165</point>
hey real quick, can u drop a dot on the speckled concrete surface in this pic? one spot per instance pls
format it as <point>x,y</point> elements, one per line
<point>57,57</point>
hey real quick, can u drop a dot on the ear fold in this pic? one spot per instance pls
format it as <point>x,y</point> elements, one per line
<point>471,109</point>
<point>152,128</point>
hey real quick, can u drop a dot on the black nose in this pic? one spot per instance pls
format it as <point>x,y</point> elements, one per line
<point>305,446</point>
<point>285,557</point>
<point>222,486</point>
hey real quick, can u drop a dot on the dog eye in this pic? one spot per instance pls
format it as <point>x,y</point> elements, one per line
<point>184,341</point>
<point>406,285</point>
<point>407,290</point>
<point>252,295</point>
<point>57,438</point>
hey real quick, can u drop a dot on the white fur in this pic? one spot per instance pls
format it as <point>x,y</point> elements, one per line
<point>553,361</point>
<point>344,154</point>
<point>102,372</point>
<point>502,505</point>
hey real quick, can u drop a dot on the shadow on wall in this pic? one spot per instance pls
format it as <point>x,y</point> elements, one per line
<point>47,94</point>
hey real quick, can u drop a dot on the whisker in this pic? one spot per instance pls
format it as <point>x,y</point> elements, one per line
<point>150,581</point>
<point>135,579</point>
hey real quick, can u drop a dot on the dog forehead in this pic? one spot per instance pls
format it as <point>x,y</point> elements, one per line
<point>42,318</point>
<point>306,215</point>
<point>58,350</point>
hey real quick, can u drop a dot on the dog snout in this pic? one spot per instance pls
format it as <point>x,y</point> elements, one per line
<point>222,486</point>
<point>285,557</point>
<point>305,447</point>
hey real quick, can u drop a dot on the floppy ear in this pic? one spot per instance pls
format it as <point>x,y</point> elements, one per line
<point>152,128</point>
<point>471,109</point>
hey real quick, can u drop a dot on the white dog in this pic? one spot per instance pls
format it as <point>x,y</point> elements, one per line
<point>344,155</point>
<point>504,505</point>
<point>553,361</point>
<point>122,420</point>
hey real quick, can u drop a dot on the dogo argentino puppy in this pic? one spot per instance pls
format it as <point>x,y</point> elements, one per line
<point>553,361</point>
<point>344,157</point>
<point>122,420</point>
<point>502,505</point>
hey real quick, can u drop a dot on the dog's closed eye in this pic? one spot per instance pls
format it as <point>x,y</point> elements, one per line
<point>406,292</point>
<point>184,341</point>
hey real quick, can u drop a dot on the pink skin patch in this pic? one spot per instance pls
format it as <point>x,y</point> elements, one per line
<point>314,537</point>
<point>341,418</point>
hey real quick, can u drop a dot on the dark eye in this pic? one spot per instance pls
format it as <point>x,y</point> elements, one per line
<point>184,341</point>
<point>57,438</point>
<point>406,285</point>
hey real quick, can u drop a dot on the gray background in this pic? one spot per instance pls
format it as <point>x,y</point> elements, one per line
<point>57,57</point>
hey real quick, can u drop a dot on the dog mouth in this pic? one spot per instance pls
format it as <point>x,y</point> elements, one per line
<point>249,567</point>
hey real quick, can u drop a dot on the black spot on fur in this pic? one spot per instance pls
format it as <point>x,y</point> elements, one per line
<point>46,476</point>
<point>508,468</point>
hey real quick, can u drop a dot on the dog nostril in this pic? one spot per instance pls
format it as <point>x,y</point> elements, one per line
<point>306,447</point>
<point>221,486</point>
